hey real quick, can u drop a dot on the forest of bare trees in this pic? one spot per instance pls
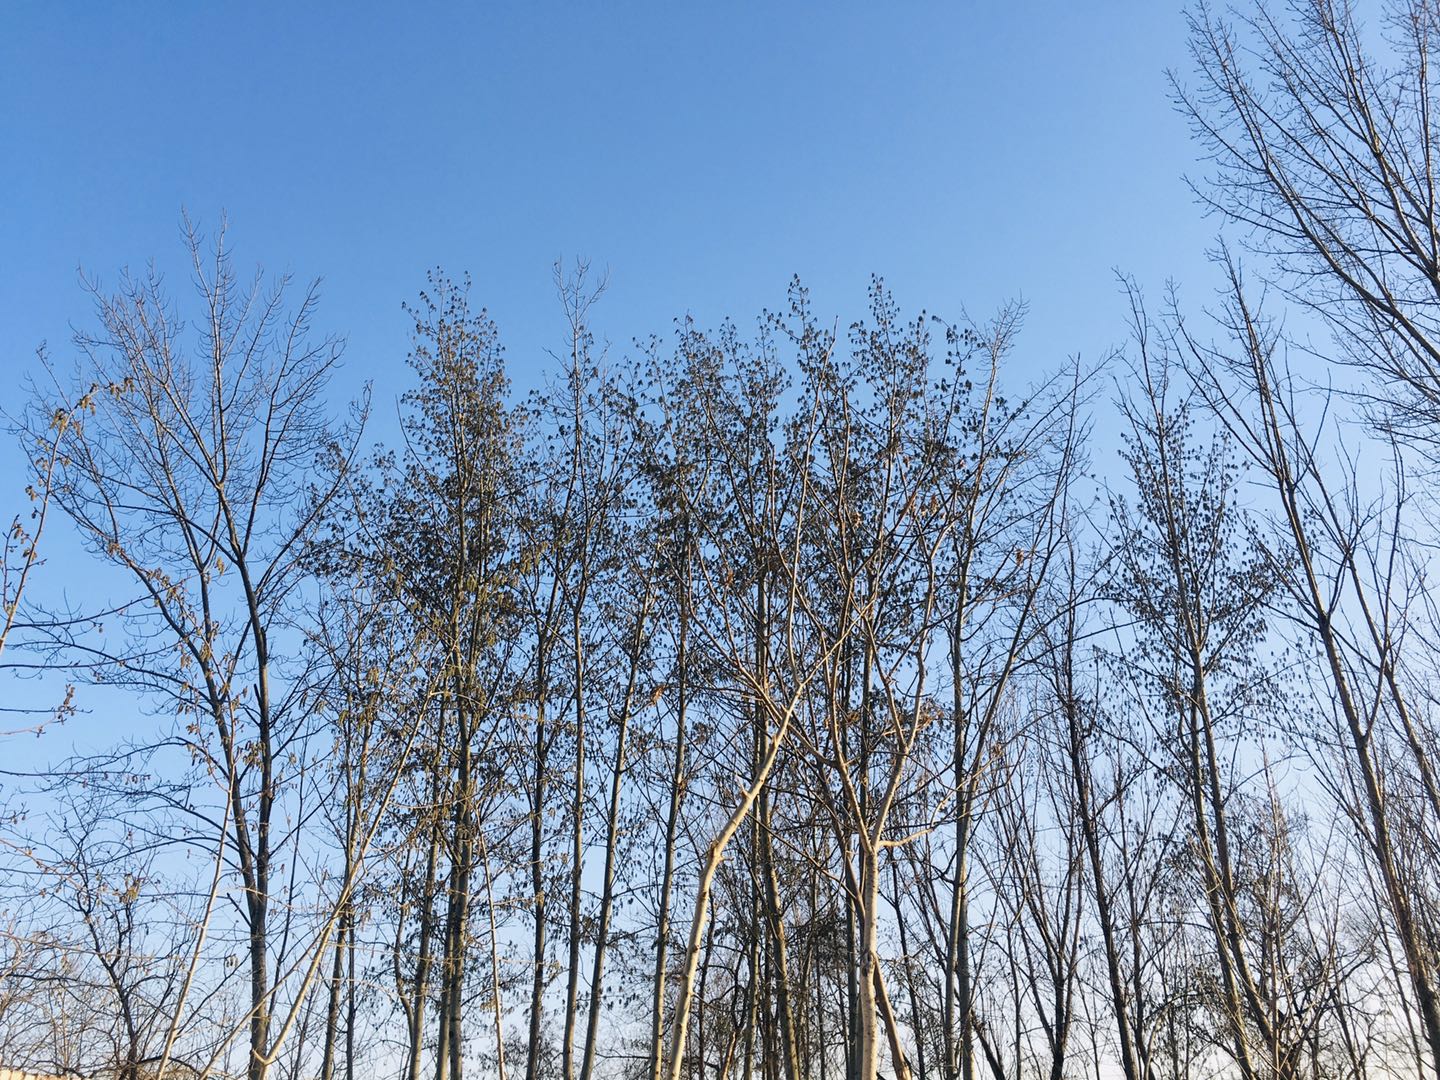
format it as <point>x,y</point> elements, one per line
<point>791,700</point>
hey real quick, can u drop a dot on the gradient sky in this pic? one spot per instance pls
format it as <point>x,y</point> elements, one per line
<point>969,152</point>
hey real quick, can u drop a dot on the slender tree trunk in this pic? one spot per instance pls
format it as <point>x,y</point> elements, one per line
<point>352,1005</point>
<point>702,1010</point>
<point>898,1061</point>
<point>713,857</point>
<point>915,1023</point>
<point>537,869</point>
<point>494,965</point>
<point>959,1010</point>
<point>1130,1059</point>
<point>751,1009</point>
<point>789,1057</point>
<point>577,852</point>
<point>332,1011</point>
<point>421,991</point>
<point>672,825</point>
<point>612,838</point>
<point>867,1060</point>
<point>765,848</point>
<point>449,1054</point>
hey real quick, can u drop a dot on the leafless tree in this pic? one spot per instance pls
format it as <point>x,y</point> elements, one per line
<point>185,466</point>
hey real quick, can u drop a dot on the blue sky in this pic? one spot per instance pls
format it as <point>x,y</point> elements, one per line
<point>969,152</point>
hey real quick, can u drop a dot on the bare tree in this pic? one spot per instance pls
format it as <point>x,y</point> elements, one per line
<point>1323,145</point>
<point>1351,575</point>
<point>188,473</point>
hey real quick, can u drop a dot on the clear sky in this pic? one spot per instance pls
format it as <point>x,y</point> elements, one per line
<point>970,152</point>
